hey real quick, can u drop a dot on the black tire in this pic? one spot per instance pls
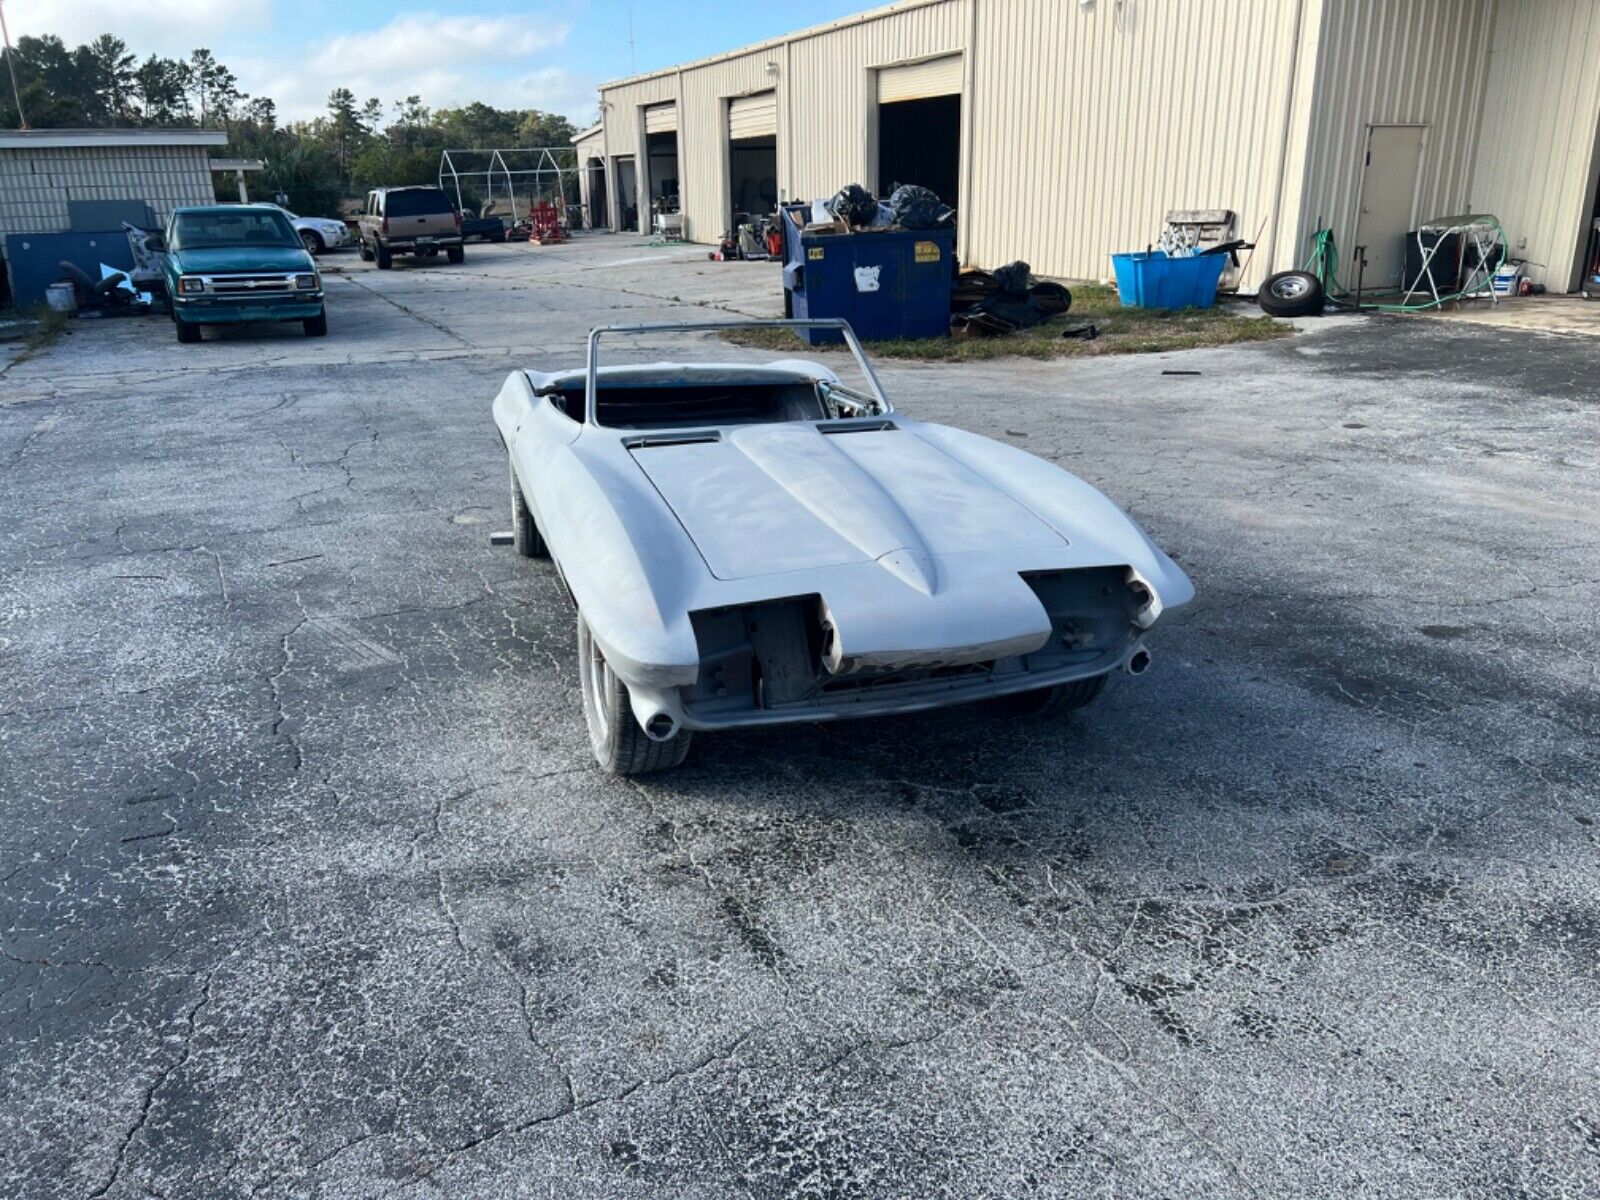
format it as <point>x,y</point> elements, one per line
<point>1291,294</point>
<point>364,250</point>
<point>1063,697</point>
<point>381,253</point>
<point>187,332</point>
<point>317,326</point>
<point>312,241</point>
<point>456,254</point>
<point>619,745</point>
<point>497,238</point>
<point>525,534</point>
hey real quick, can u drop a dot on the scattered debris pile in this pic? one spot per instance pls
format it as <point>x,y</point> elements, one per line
<point>1002,301</point>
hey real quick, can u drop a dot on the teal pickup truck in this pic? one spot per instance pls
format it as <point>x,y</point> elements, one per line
<point>228,263</point>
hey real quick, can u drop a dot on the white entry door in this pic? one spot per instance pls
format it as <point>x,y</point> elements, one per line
<point>1388,201</point>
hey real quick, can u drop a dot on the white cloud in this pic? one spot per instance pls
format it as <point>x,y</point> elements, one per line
<point>172,27</point>
<point>414,41</point>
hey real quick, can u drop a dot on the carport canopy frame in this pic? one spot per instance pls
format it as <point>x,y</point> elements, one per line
<point>547,168</point>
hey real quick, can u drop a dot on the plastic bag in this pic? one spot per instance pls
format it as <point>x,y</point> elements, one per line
<point>854,205</point>
<point>1013,278</point>
<point>918,208</point>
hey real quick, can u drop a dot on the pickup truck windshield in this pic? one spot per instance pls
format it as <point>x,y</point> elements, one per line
<point>195,230</point>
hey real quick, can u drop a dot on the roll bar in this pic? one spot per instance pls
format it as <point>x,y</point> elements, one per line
<point>591,401</point>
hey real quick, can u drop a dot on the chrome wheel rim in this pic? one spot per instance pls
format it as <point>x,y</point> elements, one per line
<point>309,242</point>
<point>1292,288</point>
<point>597,678</point>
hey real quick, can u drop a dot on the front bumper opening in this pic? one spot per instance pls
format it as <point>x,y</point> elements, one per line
<point>769,660</point>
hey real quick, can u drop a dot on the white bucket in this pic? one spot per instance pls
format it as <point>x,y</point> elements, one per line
<point>61,297</point>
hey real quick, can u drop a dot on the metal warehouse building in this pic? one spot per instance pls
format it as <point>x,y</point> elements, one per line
<point>1063,130</point>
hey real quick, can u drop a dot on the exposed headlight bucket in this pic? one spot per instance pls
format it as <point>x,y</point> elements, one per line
<point>191,285</point>
<point>305,283</point>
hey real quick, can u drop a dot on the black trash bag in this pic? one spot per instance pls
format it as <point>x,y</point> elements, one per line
<point>854,205</point>
<point>1013,278</point>
<point>918,208</point>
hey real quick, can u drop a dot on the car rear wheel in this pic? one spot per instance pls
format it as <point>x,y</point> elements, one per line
<point>312,242</point>
<point>619,745</point>
<point>455,254</point>
<point>1064,697</point>
<point>381,252</point>
<point>187,332</point>
<point>525,534</point>
<point>317,326</point>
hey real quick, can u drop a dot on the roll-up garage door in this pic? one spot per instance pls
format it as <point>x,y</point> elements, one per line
<point>918,81</point>
<point>661,118</point>
<point>753,116</point>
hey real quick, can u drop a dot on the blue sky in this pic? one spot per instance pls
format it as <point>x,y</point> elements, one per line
<point>513,55</point>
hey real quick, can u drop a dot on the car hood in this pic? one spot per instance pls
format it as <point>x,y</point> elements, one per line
<point>769,499</point>
<point>211,260</point>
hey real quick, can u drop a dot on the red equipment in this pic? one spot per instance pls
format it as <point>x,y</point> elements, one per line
<point>545,225</point>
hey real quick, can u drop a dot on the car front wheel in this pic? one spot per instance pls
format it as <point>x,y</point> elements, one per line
<point>317,326</point>
<point>312,243</point>
<point>187,332</point>
<point>619,745</point>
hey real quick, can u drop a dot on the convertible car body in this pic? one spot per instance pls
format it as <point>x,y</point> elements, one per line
<point>751,544</point>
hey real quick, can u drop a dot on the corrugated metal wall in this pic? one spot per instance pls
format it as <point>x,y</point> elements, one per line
<point>1535,163</point>
<point>1393,62</point>
<point>35,184</point>
<point>1090,124</point>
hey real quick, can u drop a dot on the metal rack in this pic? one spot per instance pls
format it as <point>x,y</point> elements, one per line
<point>544,171</point>
<point>1479,230</point>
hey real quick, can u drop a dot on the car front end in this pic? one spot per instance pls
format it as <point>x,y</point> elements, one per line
<point>233,296</point>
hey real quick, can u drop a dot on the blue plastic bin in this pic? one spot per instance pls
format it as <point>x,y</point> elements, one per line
<point>888,285</point>
<point>1152,280</point>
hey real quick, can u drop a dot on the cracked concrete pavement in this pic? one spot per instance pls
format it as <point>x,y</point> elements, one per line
<point>309,887</point>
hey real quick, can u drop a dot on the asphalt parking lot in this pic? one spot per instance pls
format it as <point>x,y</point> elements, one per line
<point>309,886</point>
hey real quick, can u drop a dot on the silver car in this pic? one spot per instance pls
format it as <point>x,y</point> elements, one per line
<point>756,544</point>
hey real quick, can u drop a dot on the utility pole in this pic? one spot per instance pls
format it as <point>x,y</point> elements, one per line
<point>11,65</point>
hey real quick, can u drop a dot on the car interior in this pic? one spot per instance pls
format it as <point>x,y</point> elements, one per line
<point>668,404</point>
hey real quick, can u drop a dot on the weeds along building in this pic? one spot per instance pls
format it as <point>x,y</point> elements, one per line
<point>1063,130</point>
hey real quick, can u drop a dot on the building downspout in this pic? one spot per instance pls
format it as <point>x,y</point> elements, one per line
<point>969,72</point>
<point>1276,216</point>
<point>785,191</point>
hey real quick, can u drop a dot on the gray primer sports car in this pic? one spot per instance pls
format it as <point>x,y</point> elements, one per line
<point>756,544</point>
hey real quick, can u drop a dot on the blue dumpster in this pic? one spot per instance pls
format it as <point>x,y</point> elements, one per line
<point>1152,280</point>
<point>887,284</point>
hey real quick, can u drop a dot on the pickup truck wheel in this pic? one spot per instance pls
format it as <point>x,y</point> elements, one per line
<point>619,745</point>
<point>455,254</point>
<point>1062,697</point>
<point>317,326</point>
<point>312,242</point>
<point>363,250</point>
<point>385,261</point>
<point>187,332</point>
<point>525,534</point>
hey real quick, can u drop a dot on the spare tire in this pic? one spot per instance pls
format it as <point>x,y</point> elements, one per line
<point>1291,294</point>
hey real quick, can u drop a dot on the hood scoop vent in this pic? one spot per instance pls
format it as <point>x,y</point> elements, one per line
<point>693,438</point>
<point>858,427</point>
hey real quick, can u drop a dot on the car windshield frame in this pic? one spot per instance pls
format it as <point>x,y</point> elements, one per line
<point>245,224</point>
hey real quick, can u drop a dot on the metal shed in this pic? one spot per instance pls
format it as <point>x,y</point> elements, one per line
<point>1063,131</point>
<point>47,174</point>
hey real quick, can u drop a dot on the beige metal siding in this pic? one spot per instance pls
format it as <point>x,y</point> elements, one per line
<point>1535,163</point>
<point>36,184</point>
<point>661,118</point>
<point>918,81</point>
<point>1393,62</point>
<point>1088,125</point>
<point>753,116</point>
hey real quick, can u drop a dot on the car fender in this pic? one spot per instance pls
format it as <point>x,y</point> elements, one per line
<point>626,561</point>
